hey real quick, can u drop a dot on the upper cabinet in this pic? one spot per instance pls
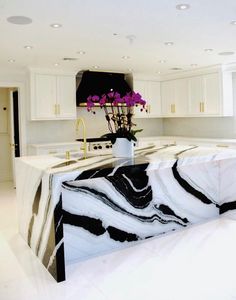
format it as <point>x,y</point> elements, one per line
<point>203,95</point>
<point>52,97</point>
<point>150,91</point>
<point>174,97</point>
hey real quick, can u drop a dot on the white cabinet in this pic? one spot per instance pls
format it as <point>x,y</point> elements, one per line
<point>52,96</point>
<point>66,97</point>
<point>55,148</point>
<point>205,95</point>
<point>174,97</point>
<point>195,94</point>
<point>150,92</point>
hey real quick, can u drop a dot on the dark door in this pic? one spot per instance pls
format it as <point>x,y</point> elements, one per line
<point>16,124</point>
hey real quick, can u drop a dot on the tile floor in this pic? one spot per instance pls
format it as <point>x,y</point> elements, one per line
<point>198,263</point>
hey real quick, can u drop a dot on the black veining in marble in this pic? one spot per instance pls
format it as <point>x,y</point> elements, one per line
<point>188,188</point>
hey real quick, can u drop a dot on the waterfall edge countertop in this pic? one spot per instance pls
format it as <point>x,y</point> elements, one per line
<point>71,210</point>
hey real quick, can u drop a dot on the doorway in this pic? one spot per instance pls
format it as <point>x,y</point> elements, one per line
<point>9,133</point>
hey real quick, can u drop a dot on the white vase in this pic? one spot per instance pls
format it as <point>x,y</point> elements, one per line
<point>123,148</point>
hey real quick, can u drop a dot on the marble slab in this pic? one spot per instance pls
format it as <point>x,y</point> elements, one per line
<point>73,210</point>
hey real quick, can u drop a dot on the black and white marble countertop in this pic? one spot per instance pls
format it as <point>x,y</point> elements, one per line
<point>70,210</point>
<point>155,155</point>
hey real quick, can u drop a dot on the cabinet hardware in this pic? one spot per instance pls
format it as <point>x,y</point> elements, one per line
<point>13,145</point>
<point>52,152</point>
<point>223,146</point>
<point>200,106</point>
<point>67,155</point>
<point>55,109</point>
<point>148,108</point>
<point>203,107</point>
<point>173,108</point>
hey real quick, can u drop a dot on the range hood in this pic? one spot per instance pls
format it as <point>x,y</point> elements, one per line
<point>99,83</point>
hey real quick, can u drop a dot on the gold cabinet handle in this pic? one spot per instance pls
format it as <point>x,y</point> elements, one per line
<point>67,155</point>
<point>149,108</point>
<point>203,109</point>
<point>222,146</point>
<point>200,106</point>
<point>55,109</point>
<point>172,108</point>
<point>13,145</point>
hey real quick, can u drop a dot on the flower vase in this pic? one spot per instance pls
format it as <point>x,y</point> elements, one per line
<point>123,148</point>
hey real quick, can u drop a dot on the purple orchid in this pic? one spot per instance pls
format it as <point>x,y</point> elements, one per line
<point>118,111</point>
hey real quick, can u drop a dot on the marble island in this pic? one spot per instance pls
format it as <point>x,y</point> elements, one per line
<point>76,209</point>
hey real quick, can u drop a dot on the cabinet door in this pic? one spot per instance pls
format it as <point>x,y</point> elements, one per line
<point>66,97</point>
<point>181,96</point>
<point>140,86</point>
<point>154,98</point>
<point>44,97</point>
<point>211,83</point>
<point>167,97</point>
<point>196,95</point>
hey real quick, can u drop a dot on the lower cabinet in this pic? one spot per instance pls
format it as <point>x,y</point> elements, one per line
<point>150,92</point>
<point>54,148</point>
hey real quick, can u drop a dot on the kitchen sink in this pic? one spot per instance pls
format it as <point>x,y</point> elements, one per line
<point>74,155</point>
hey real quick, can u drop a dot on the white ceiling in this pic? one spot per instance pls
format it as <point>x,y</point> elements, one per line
<point>89,25</point>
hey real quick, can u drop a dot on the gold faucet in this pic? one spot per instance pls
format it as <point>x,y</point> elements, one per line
<point>84,147</point>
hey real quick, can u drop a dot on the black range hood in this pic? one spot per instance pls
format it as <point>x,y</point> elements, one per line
<point>99,83</point>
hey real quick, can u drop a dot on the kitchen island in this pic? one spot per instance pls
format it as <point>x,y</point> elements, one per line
<point>71,210</point>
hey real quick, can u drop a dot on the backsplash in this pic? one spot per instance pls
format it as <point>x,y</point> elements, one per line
<point>96,125</point>
<point>222,127</point>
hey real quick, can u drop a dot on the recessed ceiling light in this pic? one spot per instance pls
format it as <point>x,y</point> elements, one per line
<point>56,25</point>
<point>226,53</point>
<point>96,67</point>
<point>19,20</point>
<point>158,72</point>
<point>125,57</point>
<point>169,43</point>
<point>28,47</point>
<point>11,60</point>
<point>233,22</point>
<point>208,50</point>
<point>81,52</point>
<point>182,6</point>
<point>162,61</point>
<point>193,65</point>
<point>56,64</point>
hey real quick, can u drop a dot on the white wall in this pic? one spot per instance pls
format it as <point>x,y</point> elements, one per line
<point>224,127</point>
<point>50,131</point>
<point>5,150</point>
